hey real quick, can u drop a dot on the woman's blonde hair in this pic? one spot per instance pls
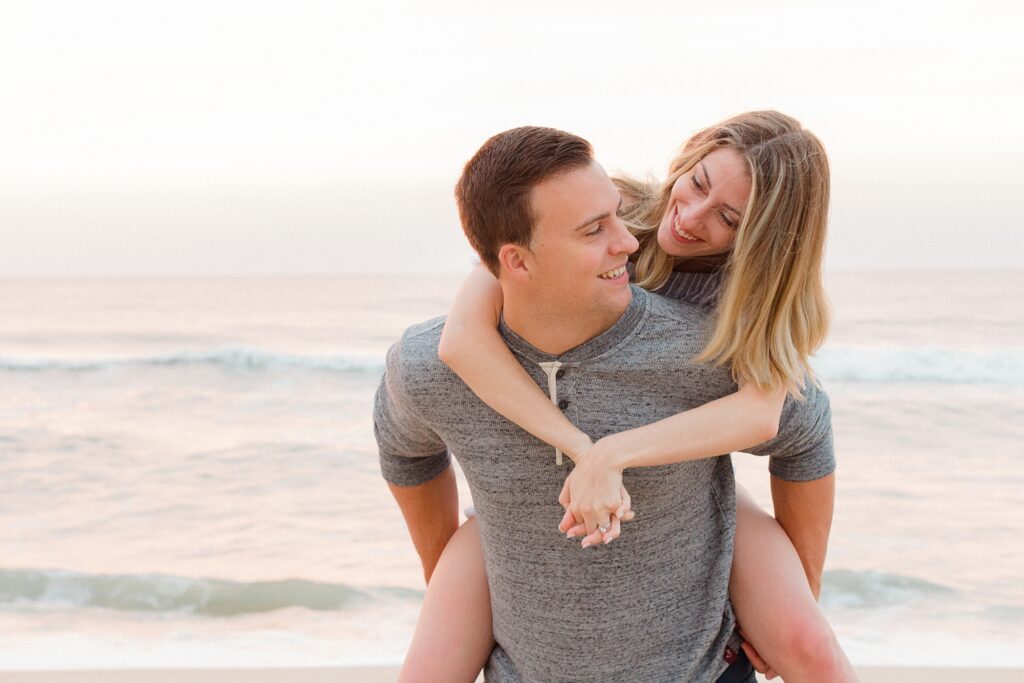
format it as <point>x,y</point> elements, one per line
<point>772,312</point>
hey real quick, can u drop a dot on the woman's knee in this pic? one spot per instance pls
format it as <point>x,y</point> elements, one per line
<point>809,641</point>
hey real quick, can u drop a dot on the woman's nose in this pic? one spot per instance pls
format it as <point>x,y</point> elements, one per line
<point>692,215</point>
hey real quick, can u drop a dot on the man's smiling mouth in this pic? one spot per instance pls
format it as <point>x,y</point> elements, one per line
<point>614,273</point>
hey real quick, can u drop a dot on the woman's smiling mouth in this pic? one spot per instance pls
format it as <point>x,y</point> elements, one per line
<point>681,234</point>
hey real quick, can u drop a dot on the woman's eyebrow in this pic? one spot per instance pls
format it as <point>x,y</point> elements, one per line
<point>707,181</point>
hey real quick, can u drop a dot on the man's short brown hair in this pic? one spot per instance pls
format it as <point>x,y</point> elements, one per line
<point>493,193</point>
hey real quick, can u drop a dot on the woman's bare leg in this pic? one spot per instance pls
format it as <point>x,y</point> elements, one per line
<point>453,635</point>
<point>774,605</point>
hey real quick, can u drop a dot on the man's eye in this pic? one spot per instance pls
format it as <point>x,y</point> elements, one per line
<point>595,231</point>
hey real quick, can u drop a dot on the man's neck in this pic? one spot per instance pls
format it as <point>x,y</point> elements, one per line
<point>554,329</point>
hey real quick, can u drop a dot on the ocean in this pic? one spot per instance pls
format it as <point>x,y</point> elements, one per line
<point>190,476</point>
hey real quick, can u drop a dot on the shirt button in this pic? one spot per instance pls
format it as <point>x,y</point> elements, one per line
<point>560,374</point>
<point>563,404</point>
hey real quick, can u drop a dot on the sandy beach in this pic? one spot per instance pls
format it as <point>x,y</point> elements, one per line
<point>389,675</point>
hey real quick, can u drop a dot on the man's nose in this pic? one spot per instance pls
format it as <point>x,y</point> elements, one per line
<point>624,242</point>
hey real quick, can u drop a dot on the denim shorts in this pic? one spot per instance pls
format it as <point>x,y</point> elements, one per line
<point>740,671</point>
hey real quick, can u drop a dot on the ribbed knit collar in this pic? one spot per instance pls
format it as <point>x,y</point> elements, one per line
<point>592,348</point>
<point>701,289</point>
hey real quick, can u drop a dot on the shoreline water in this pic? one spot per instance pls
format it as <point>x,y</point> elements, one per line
<point>182,458</point>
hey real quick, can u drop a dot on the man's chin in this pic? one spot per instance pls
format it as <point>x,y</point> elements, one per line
<point>616,296</point>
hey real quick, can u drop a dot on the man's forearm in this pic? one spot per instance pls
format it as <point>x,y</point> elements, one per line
<point>431,512</point>
<point>804,510</point>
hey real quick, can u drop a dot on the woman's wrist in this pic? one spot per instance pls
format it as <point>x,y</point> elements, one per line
<point>611,452</point>
<point>576,445</point>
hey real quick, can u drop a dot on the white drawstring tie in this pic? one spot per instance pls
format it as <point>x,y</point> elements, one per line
<point>550,368</point>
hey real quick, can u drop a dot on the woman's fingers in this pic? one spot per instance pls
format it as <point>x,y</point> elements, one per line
<point>593,526</point>
<point>627,503</point>
<point>563,495</point>
<point>593,538</point>
<point>593,521</point>
<point>597,527</point>
<point>578,530</point>
<point>568,522</point>
<point>613,531</point>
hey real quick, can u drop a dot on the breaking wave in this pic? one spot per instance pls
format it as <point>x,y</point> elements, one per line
<point>892,365</point>
<point>237,359</point>
<point>160,593</point>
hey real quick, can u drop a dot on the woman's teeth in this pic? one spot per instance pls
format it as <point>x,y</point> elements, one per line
<point>612,274</point>
<point>682,233</point>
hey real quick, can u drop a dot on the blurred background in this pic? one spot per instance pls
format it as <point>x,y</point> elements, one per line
<point>215,217</point>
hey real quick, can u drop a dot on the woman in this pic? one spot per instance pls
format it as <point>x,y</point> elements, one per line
<point>738,227</point>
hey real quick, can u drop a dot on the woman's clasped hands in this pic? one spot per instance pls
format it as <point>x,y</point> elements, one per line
<point>595,501</point>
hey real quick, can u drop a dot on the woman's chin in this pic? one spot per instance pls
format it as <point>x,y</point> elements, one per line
<point>678,250</point>
<point>671,246</point>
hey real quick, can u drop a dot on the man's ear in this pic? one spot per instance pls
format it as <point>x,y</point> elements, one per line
<point>515,260</point>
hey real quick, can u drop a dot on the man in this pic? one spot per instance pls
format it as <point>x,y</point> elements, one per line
<point>653,606</point>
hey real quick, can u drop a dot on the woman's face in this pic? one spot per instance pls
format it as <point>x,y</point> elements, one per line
<point>705,206</point>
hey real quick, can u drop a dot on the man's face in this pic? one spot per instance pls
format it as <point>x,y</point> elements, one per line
<point>577,256</point>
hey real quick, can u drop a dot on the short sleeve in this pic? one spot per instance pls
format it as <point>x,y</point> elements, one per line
<point>410,451</point>
<point>804,449</point>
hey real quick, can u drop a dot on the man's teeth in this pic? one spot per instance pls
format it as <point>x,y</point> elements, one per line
<point>612,274</point>
<point>682,233</point>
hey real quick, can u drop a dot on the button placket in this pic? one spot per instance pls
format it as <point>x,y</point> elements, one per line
<point>553,371</point>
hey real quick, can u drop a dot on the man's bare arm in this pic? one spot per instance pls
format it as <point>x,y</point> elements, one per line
<point>431,512</point>
<point>804,510</point>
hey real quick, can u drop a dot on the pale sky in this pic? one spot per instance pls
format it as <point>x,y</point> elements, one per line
<point>305,137</point>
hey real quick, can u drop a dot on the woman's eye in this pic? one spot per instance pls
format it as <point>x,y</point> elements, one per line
<point>596,230</point>
<point>696,183</point>
<point>728,221</point>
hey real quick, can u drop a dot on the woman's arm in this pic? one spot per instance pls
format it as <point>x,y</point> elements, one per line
<point>740,420</point>
<point>471,346</point>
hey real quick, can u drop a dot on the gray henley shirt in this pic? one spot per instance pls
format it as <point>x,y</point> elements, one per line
<point>653,606</point>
